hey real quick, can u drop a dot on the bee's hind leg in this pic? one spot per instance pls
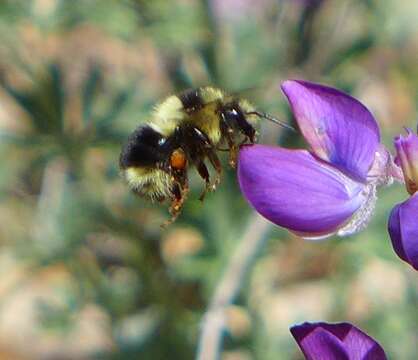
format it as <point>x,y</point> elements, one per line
<point>179,194</point>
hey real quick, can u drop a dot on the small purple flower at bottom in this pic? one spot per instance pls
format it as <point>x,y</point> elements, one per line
<point>330,188</point>
<point>403,219</point>
<point>342,341</point>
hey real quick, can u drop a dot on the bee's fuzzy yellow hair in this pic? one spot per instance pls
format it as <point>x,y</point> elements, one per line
<point>171,113</point>
<point>157,183</point>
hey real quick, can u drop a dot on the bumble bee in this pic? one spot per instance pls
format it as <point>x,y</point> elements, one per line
<point>187,130</point>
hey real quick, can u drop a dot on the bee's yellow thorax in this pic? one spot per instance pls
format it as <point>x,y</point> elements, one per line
<point>207,120</point>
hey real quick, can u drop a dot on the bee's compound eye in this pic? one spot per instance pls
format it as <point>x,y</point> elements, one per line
<point>178,159</point>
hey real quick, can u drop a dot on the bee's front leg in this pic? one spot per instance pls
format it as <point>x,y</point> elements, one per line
<point>229,134</point>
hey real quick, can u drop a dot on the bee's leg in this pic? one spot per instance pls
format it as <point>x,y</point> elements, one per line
<point>233,152</point>
<point>216,163</point>
<point>204,173</point>
<point>179,194</point>
<point>228,133</point>
<point>205,148</point>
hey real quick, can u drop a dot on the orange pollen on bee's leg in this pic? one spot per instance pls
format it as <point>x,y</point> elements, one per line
<point>178,159</point>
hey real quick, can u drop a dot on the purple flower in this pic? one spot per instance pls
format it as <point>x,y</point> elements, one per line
<point>403,224</point>
<point>330,188</point>
<point>343,341</point>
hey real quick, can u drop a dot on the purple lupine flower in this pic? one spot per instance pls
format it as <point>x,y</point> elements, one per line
<point>403,224</point>
<point>322,341</point>
<point>330,188</point>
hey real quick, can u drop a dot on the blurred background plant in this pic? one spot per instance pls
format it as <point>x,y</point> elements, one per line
<point>86,271</point>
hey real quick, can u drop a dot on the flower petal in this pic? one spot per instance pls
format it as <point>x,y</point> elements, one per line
<point>320,344</point>
<point>339,128</point>
<point>361,346</point>
<point>336,341</point>
<point>403,230</point>
<point>293,189</point>
<point>407,158</point>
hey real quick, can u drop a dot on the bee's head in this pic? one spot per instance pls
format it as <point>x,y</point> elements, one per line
<point>235,116</point>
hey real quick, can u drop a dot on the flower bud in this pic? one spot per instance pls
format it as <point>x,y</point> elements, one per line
<point>407,159</point>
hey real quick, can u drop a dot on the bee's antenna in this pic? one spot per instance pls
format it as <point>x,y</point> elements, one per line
<point>272,119</point>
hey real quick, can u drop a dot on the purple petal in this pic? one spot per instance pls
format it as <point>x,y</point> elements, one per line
<point>295,190</point>
<point>339,128</point>
<point>336,341</point>
<point>394,229</point>
<point>320,344</point>
<point>361,346</point>
<point>403,230</point>
<point>407,158</point>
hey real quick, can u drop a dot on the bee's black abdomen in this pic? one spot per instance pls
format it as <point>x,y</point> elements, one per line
<point>143,148</point>
<point>191,99</point>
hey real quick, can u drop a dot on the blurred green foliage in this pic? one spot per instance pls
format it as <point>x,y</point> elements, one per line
<point>87,271</point>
